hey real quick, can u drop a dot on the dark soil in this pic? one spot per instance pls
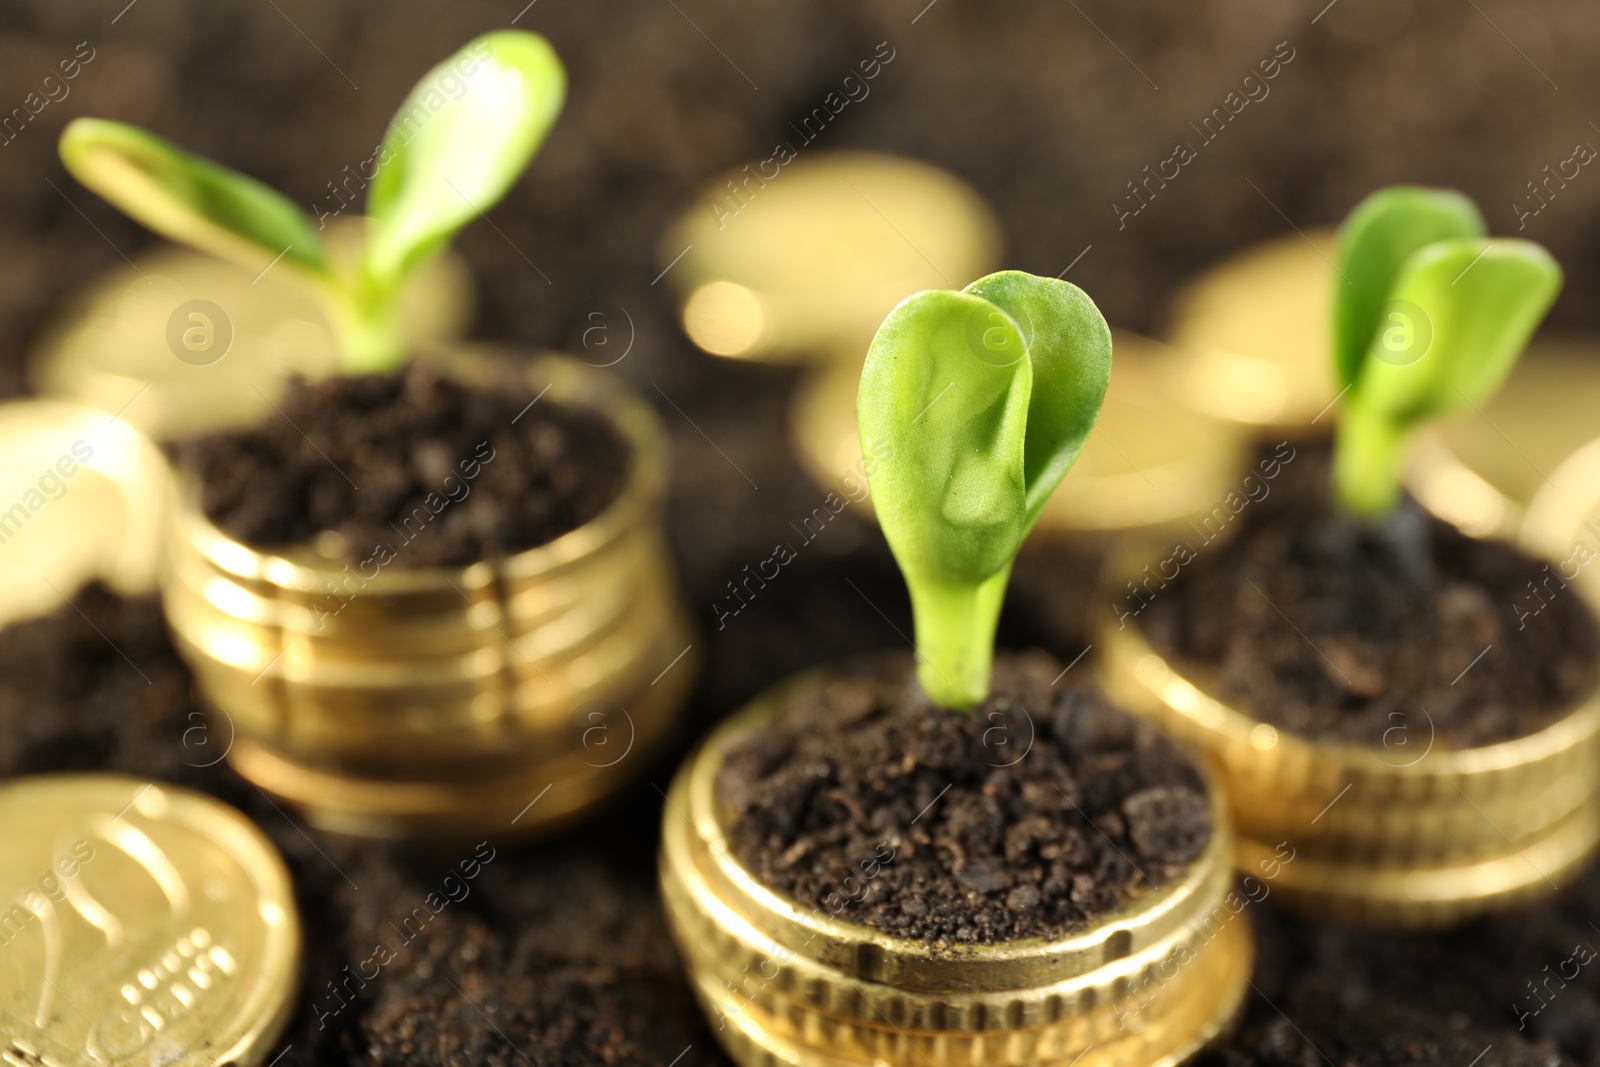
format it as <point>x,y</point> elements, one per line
<point>1040,812</point>
<point>438,473</point>
<point>1331,995</point>
<point>566,958</point>
<point>1419,90</point>
<point>1383,634</point>
<point>562,947</point>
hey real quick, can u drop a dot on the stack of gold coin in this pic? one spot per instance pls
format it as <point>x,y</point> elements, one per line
<point>783,984</point>
<point>498,699</point>
<point>139,923</point>
<point>1409,834</point>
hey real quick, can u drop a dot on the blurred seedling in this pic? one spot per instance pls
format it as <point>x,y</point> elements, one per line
<point>1429,316</point>
<point>462,138</point>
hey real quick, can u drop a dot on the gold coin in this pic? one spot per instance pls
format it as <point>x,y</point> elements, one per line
<point>1562,525</point>
<point>803,263</point>
<point>82,496</point>
<point>1483,469</point>
<point>1255,337</point>
<point>139,923</point>
<point>1436,894</point>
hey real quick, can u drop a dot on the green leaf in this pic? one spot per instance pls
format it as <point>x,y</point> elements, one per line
<point>1460,313</point>
<point>190,199</point>
<point>1069,345</point>
<point>459,142</point>
<point>944,397</point>
<point>1381,233</point>
<point>1481,300</point>
<point>973,405</point>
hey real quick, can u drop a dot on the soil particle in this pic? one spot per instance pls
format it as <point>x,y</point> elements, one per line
<point>441,474</point>
<point>1040,812</point>
<point>1382,634</point>
<point>1378,1035</point>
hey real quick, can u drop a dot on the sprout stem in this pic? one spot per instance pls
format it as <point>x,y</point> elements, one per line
<point>956,624</point>
<point>1366,461</point>
<point>366,323</point>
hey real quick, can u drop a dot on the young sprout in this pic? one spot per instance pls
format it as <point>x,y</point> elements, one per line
<point>1429,315</point>
<point>975,404</point>
<point>458,143</point>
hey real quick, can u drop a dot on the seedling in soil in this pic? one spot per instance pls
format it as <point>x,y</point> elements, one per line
<point>978,401</point>
<point>1429,316</point>
<point>459,142</point>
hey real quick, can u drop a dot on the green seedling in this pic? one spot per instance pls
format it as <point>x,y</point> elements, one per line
<point>974,404</point>
<point>1429,316</point>
<point>459,142</point>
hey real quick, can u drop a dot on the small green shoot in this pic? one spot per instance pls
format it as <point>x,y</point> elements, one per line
<point>976,403</point>
<point>1429,316</point>
<point>459,142</point>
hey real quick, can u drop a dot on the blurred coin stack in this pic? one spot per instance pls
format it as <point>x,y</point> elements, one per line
<point>1409,834</point>
<point>444,702</point>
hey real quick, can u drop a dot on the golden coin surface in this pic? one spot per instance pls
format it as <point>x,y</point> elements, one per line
<point>1254,334</point>
<point>801,261</point>
<point>82,496</point>
<point>1562,525</point>
<point>140,923</point>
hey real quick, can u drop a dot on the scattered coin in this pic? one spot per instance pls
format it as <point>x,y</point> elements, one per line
<point>139,923</point>
<point>82,496</point>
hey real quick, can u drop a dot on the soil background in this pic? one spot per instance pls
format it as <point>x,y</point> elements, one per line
<point>1049,110</point>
